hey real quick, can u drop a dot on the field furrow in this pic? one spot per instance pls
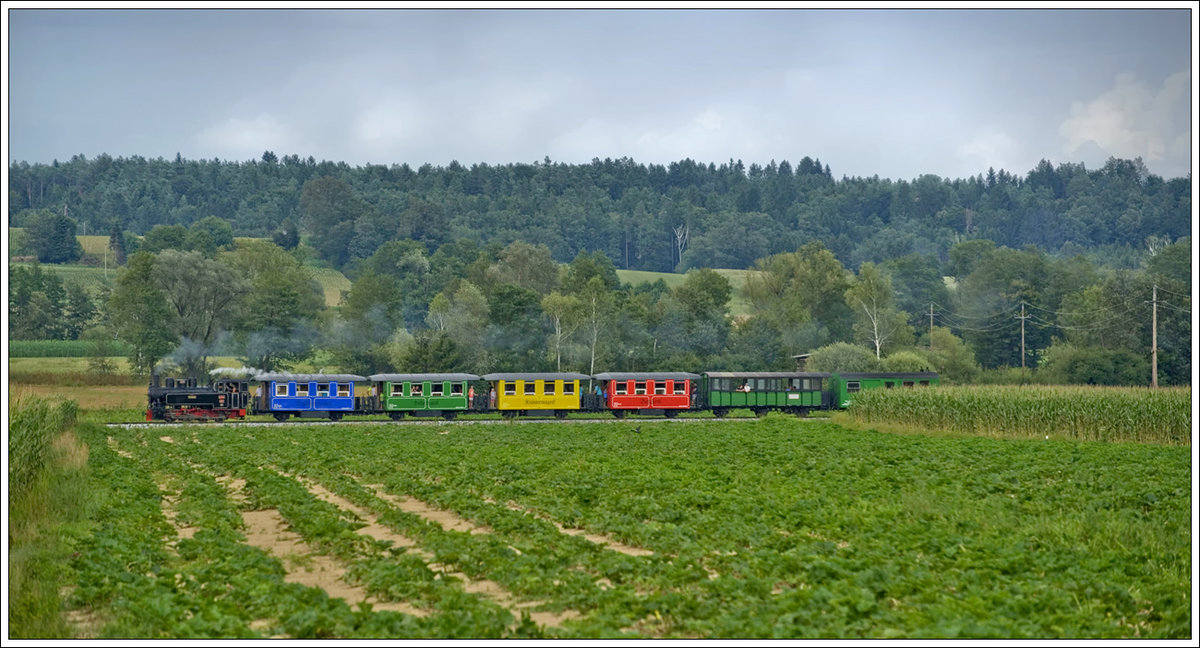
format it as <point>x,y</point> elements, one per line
<point>770,528</point>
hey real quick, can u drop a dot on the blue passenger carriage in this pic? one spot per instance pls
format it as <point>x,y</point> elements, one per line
<point>307,395</point>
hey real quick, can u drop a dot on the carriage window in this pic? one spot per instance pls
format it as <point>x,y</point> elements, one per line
<point>322,389</point>
<point>281,389</point>
<point>397,389</point>
<point>343,390</point>
<point>680,387</point>
<point>530,388</point>
<point>722,384</point>
<point>909,383</point>
<point>415,389</point>
<point>620,388</point>
<point>639,387</point>
<point>548,388</point>
<point>510,388</point>
<point>456,389</point>
<point>760,384</point>
<point>568,388</point>
<point>436,388</point>
<point>302,389</point>
<point>660,388</point>
<point>852,386</point>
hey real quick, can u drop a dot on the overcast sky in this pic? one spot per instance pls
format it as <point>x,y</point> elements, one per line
<point>893,93</point>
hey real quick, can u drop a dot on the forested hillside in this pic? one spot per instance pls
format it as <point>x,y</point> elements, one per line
<point>642,216</point>
<point>1079,274</point>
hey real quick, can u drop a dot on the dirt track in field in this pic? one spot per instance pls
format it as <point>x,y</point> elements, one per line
<point>267,530</point>
<point>492,590</point>
<point>594,538</point>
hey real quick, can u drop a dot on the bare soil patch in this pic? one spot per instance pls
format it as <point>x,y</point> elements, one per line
<point>445,519</point>
<point>595,538</point>
<point>483,587</point>
<point>266,530</point>
<point>115,447</point>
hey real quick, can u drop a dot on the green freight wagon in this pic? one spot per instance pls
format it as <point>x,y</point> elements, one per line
<point>845,385</point>
<point>442,395</point>
<point>763,391</point>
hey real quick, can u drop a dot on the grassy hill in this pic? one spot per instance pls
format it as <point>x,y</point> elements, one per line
<point>737,278</point>
<point>333,282</point>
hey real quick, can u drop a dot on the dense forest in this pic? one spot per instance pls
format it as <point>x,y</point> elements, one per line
<point>514,266</point>
<point>643,217</point>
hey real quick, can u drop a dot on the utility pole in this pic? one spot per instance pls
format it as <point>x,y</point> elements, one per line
<point>1022,318</point>
<point>931,326</point>
<point>1154,339</point>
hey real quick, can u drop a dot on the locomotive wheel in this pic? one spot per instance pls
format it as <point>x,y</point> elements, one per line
<point>281,416</point>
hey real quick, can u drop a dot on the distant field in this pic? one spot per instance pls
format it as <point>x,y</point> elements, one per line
<point>87,277</point>
<point>332,282</point>
<point>737,278</point>
<point>95,245</point>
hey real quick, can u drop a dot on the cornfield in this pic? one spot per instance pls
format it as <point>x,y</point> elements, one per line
<point>1115,414</point>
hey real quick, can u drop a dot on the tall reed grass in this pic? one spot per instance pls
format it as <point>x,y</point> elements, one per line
<point>47,509</point>
<point>34,423</point>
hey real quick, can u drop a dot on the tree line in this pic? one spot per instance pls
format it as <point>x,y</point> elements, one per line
<point>667,218</point>
<point>467,307</point>
<point>1051,270</point>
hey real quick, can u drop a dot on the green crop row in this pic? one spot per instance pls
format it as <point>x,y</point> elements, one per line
<point>772,528</point>
<point>1115,414</point>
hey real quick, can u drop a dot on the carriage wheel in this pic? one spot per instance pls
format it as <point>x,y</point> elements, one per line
<point>281,416</point>
<point>449,416</point>
<point>720,412</point>
<point>619,413</point>
<point>671,413</point>
<point>395,416</point>
<point>335,416</point>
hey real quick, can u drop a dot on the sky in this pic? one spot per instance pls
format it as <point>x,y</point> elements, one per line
<point>894,93</point>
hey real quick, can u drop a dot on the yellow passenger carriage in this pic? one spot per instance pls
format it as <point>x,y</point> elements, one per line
<point>523,394</point>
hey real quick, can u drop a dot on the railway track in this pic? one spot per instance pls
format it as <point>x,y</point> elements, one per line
<point>431,422</point>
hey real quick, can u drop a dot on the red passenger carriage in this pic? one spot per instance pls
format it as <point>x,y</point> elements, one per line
<point>666,392</point>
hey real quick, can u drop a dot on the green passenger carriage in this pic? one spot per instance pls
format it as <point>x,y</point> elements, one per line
<point>845,385</point>
<point>763,391</point>
<point>437,394</point>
